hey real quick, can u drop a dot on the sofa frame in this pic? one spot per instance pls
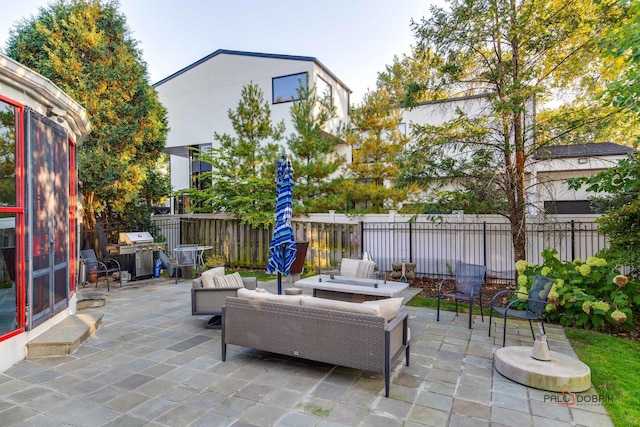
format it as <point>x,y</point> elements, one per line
<point>359,341</point>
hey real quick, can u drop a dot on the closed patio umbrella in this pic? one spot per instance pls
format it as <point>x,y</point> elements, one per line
<point>282,250</point>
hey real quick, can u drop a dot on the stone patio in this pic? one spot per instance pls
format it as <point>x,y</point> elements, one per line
<point>150,363</point>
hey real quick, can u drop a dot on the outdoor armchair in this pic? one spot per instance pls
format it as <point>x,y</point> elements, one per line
<point>534,305</point>
<point>93,265</point>
<point>468,287</point>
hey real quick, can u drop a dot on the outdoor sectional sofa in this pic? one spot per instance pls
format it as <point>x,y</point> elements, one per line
<point>356,335</point>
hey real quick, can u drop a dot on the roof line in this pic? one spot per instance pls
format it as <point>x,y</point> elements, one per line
<point>454,99</point>
<point>254,54</point>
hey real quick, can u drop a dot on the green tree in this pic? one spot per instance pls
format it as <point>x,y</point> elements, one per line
<point>376,141</point>
<point>513,52</point>
<point>413,78</point>
<point>86,49</point>
<point>622,42</point>
<point>243,166</point>
<point>617,189</point>
<point>314,157</point>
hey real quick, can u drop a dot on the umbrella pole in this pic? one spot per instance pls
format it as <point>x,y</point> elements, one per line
<point>280,274</point>
<point>279,283</point>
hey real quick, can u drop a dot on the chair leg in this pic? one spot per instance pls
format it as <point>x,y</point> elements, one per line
<point>490,317</point>
<point>481,313</point>
<point>532,334</point>
<point>456,301</point>
<point>504,331</point>
<point>470,312</point>
<point>438,310</point>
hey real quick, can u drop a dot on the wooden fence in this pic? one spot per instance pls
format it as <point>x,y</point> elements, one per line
<point>245,246</point>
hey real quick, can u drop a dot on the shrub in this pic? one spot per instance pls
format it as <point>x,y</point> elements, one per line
<point>215,260</point>
<point>588,294</point>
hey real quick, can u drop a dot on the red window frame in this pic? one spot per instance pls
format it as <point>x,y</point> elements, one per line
<point>18,210</point>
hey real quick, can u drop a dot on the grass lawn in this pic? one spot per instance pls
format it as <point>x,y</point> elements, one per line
<point>615,372</point>
<point>614,364</point>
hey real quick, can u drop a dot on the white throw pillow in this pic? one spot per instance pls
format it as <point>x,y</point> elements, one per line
<point>208,276</point>
<point>351,307</point>
<point>349,267</point>
<point>389,307</point>
<point>246,293</point>
<point>365,268</point>
<point>233,280</point>
<point>269,297</point>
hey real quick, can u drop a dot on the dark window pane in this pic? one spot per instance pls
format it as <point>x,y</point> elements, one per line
<point>285,88</point>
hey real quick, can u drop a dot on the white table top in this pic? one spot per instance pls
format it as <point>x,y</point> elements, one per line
<point>354,285</point>
<point>199,248</point>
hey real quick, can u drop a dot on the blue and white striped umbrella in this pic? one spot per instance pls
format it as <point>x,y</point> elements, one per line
<point>282,250</point>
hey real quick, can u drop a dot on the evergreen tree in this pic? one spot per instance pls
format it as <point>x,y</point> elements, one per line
<point>243,166</point>
<point>313,154</point>
<point>86,49</point>
<point>376,141</point>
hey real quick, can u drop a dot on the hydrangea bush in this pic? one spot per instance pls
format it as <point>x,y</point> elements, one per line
<point>588,294</point>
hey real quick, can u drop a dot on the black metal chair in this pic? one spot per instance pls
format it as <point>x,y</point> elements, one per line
<point>95,266</point>
<point>535,304</point>
<point>468,287</point>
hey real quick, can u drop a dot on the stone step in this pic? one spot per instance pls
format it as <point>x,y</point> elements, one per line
<point>65,337</point>
<point>90,300</point>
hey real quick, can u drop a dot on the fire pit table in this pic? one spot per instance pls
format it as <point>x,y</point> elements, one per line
<point>354,289</point>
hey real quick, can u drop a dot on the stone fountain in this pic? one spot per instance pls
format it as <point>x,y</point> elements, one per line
<point>538,367</point>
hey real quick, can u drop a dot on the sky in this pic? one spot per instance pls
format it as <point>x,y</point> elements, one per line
<point>355,39</point>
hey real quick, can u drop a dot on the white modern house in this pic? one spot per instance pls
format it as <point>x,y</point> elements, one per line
<point>199,96</point>
<point>552,166</point>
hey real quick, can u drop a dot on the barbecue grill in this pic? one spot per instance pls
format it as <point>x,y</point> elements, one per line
<point>135,253</point>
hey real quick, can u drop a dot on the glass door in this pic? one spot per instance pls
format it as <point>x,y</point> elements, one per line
<point>48,191</point>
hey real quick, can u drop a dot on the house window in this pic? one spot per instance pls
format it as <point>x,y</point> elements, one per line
<point>568,207</point>
<point>7,154</point>
<point>323,90</point>
<point>285,88</point>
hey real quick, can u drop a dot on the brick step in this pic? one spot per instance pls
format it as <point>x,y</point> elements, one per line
<point>65,337</point>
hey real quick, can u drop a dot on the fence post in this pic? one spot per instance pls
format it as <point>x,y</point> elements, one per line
<point>410,242</point>
<point>573,240</point>
<point>484,242</point>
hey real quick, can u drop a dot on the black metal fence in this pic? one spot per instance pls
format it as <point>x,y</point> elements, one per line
<point>435,247</point>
